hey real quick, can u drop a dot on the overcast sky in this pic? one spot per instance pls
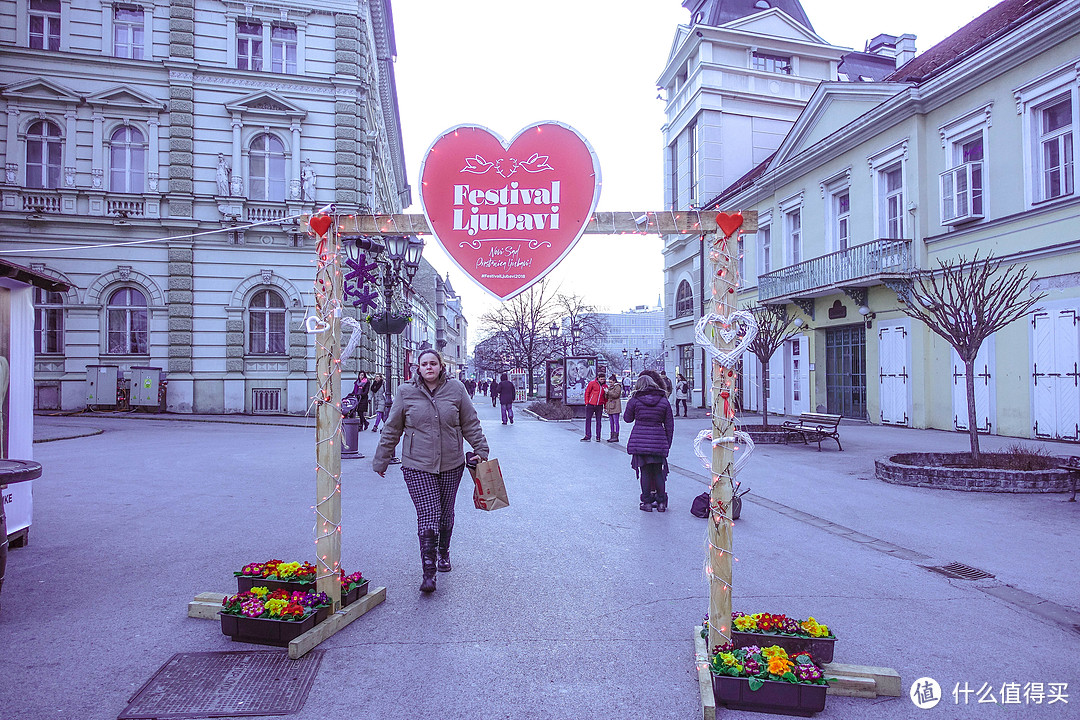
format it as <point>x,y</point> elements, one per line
<point>592,64</point>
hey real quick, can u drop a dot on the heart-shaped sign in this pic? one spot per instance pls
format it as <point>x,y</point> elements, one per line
<point>746,443</point>
<point>740,326</point>
<point>507,213</point>
<point>320,224</point>
<point>728,223</point>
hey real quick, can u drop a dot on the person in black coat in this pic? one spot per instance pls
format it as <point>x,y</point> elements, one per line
<point>650,440</point>
<point>507,393</point>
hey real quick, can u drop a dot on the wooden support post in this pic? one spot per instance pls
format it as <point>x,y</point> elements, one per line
<point>724,263</point>
<point>328,303</point>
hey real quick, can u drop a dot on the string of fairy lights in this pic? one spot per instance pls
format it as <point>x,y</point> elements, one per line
<point>736,330</point>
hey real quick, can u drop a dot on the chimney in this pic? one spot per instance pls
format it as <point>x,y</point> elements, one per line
<point>905,49</point>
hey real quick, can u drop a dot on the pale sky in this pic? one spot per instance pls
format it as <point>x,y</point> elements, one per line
<point>592,64</point>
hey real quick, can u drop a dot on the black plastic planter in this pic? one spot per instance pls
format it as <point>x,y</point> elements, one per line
<point>777,698</point>
<point>388,324</point>
<point>820,649</point>
<point>264,631</point>
<point>355,592</point>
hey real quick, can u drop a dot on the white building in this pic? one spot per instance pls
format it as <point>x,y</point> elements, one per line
<point>145,131</point>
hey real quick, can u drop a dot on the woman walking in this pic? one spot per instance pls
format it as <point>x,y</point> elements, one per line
<point>613,406</point>
<point>682,393</point>
<point>650,440</point>
<point>435,414</point>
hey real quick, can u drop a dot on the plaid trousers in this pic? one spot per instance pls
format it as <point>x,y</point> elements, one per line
<point>433,495</point>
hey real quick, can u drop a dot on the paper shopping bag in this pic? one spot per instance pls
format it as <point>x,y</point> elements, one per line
<point>489,492</point>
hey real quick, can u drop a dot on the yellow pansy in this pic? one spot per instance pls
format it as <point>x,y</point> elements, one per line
<point>260,591</point>
<point>774,651</point>
<point>745,622</point>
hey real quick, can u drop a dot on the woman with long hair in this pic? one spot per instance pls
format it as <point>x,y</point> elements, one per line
<point>434,413</point>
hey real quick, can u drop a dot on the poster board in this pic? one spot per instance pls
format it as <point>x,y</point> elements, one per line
<point>521,385</point>
<point>556,380</point>
<point>579,372</point>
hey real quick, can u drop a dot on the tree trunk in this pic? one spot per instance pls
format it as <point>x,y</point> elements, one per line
<point>764,393</point>
<point>973,425</point>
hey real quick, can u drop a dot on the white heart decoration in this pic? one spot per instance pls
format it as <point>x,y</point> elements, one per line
<point>314,324</point>
<point>740,436</point>
<point>728,329</point>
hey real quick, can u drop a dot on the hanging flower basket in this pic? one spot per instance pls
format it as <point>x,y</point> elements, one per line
<point>389,323</point>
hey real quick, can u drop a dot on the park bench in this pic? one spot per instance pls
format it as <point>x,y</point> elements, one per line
<point>1072,464</point>
<point>813,427</point>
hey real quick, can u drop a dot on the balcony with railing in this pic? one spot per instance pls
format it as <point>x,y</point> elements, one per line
<point>858,266</point>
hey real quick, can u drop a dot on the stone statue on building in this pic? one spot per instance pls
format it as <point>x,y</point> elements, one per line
<point>223,173</point>
<point>307,182</point>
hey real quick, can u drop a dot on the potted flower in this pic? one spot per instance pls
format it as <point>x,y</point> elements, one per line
<point>389,322</point>
<point>271,617</point>
<point>795,636</point>
<point>353,587</point>
<point>767,680</point>
<point>277,575</point>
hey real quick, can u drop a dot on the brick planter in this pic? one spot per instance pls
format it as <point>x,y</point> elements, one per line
<point>771,435</point>
<point>929,470</point>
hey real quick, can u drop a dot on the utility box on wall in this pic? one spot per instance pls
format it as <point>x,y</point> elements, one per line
<point>146,386</point>
<point>101,385</point>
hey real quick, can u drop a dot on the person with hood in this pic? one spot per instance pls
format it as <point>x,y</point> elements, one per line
<point>682,393</point>
<point>507,393</point>
<point>650,440</point>
<point>594,405</point>
<point>435,415</point>
<point>494,392</point>
<point>613,406</point>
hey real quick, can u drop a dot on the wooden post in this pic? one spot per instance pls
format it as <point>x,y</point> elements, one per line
<point>328,301</point>
<point>724,264</point>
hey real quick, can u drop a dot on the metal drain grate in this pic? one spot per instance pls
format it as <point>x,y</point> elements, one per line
<point>960,571</point>
<point>225,684</point>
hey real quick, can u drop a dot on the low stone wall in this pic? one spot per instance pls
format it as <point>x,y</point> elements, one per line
<point>927,470</point>
<point>772,435</point>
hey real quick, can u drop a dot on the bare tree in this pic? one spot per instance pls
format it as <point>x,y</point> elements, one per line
<point>592,327</point>
<point>522,324</point>
<point>965,302</point>
<point>774,327</point>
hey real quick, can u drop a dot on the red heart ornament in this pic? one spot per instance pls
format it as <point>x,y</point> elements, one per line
<point>729,223</point>
<point>508,213</point>
<point>320,224</point>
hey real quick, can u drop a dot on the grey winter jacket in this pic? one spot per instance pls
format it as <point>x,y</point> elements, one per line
<point>433,424</point>
<point>654,423</point>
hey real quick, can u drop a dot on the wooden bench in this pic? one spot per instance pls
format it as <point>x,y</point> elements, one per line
<point>1072,464</point>
<point>813,427</point>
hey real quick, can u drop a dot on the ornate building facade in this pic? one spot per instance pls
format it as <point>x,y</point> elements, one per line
<point>156,157</point>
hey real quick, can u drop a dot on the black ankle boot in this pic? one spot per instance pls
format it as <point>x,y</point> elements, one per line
<point>443,563</point>
<point>428,549</point>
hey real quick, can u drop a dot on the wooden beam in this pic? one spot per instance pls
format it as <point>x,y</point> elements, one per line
<point>646,222</point>
<point>205,606</point>
<point>701,659</point>
<point>331,625</point>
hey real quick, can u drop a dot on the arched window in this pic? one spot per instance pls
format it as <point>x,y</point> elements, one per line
<point>48,322</point>
<point>127,321</point>
<point>127,161</point>
<point>266,168</point>
<point>266,324</point>
<point>44,153</point>
<point>684,300</point>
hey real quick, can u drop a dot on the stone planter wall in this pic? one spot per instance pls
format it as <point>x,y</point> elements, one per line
<point>927,470</point>
<point>773,435</point>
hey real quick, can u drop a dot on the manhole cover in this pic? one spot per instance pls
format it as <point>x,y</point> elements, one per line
<point>225,684</point>
<point>960,571</point>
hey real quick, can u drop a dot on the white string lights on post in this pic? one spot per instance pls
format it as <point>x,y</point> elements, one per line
<point>724,334</point>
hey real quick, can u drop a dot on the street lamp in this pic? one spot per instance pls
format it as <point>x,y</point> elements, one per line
<point>631,356</point>
<point>575,337</point>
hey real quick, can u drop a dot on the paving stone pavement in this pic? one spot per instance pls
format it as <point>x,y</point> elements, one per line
<point>571,603</point>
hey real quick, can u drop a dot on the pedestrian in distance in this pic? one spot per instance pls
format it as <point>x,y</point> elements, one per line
<point>595,394</point>
<point>361,390</point>
<point>682,393</point>
<point>613,406</point>
<point>506,393</point>
<point>383,413</point>
<point>434,414</point>
<point>376,388</point>
<point>495,391</point>
<point>650,440</point>
<point>665,383</point>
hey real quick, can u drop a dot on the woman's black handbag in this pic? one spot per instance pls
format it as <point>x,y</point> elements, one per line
<point>700,506</point>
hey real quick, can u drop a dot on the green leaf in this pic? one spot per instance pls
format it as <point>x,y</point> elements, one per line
<point>755,684</point>
<point>804,660</point>
<point>789,677</point>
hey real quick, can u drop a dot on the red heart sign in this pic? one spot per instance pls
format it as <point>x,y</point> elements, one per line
<point>729,223</point>
<point>508,213</point>
<point>320,224</point>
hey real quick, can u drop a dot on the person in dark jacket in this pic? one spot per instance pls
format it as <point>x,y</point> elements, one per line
<point>431,416</point>
<point>494,392</point>
<point>650,440</point>
<point>507,393</point>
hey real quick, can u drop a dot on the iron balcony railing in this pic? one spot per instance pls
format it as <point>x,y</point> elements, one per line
<point>875,260</point>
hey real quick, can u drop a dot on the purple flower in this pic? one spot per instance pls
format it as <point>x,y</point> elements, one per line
<point>807,672</point>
